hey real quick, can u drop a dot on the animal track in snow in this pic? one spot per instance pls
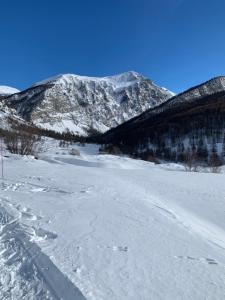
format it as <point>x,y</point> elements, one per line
<point>26,187</point>
<point>210,261</point>
<point>87,189</point>
<point>38,190</point>
<point>78,270</point>
<point>11,186</point>
<point>21,187</point>
<point>119,248</point>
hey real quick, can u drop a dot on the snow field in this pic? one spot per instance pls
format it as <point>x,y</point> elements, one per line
<point>119,228</point>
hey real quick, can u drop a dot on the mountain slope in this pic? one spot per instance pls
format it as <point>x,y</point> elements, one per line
<point>80,103</point>
<point>8,115</point>
<point>193,117</point>
<point>7,90</point>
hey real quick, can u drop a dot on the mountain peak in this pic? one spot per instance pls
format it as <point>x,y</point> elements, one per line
<point>129,76</point>
<point>80,103</point>
<point>7,90</point>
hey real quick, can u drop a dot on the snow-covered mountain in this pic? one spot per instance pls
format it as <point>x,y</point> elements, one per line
<point>80,103</point>
<point>7,90</point>
<point>8,116</point>
<point>210,87</point>
<point>194,119</point>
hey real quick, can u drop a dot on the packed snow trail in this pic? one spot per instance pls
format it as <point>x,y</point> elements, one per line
<point>26,272</point>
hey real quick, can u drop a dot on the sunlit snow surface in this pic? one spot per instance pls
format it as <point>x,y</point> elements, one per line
<point>7,90</point>
<point>117,228</point>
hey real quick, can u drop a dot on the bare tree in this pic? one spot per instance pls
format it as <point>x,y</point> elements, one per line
<point>191,159</point>
<point>215,162</point>
<point>22,143</point>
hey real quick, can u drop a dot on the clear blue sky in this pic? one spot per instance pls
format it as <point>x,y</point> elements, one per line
<point>176,43</point>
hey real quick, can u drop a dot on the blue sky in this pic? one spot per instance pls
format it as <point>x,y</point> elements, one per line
<point>176,43</point>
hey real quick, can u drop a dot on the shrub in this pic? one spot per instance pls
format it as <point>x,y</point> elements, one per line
<point>63,144</point>
<point>22,143</point>
<point>110,149</point>
<point>152,158</point>
<point>190,159</point>
<point>215,162</point>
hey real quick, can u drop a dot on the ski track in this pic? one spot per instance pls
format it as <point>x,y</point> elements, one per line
<point>26,272</point>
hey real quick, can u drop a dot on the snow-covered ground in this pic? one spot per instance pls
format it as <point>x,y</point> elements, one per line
<point>114,227</point>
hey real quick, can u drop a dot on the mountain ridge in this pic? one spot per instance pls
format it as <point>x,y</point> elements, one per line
<point>178,96</point>
<point>194,119</point>
<point>80,103</point>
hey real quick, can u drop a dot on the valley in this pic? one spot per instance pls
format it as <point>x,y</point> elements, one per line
<point>134,211</point>
<point>117,228</point>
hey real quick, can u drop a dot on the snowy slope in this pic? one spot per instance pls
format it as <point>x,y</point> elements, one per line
<point>6,90</point>
<point>117,228</point>
<point>80,103</point>
<point>210,87</point>
<point>7,113</point>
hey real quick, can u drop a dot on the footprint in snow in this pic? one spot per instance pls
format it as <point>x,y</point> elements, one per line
<point>78,270</point>
<point>35,177</point>
<point>38,190</point>
<point>119,248</point>
<point>11,186</point>
<point>210,261</point>
<point>86,189</point>
<point>48,189</point>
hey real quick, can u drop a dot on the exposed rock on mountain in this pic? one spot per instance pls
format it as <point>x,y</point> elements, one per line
<point>7,117</point>
<point>80,104</point>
